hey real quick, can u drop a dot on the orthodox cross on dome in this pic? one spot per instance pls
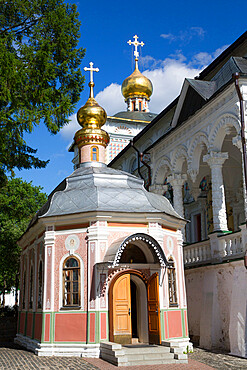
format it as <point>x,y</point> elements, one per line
<point>136,44</point>
<point>91,83</point>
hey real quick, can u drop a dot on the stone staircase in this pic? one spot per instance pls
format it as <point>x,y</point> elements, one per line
<point>140,354</point>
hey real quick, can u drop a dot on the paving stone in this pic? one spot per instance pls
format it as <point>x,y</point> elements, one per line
<point>218,360</point>
<point>14,357</point>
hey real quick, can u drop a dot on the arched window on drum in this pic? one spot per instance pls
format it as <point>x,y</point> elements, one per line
<point>94,153</point>
<point>71,282</point>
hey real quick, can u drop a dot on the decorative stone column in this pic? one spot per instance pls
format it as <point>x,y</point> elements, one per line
<point>177,181</point>
<point>215,160</point>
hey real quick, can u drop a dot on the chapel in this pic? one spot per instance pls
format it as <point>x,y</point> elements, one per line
<point>101,270</point>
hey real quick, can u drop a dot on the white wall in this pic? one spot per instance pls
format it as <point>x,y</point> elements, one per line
<point>217,297</point>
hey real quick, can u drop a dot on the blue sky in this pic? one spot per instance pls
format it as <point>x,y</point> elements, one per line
<point>181,38</point>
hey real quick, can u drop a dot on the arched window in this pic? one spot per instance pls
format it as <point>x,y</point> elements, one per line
<point>94,153</point>
<point>71,282</point>
<point>40,286</point>
<point>31,288</point>
<point>172,285</point>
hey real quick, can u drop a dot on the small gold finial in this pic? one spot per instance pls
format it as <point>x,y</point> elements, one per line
<point>91,83</point>
<point>136,44</point>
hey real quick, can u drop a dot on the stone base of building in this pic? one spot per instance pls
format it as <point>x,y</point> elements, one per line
<point>58,349</point>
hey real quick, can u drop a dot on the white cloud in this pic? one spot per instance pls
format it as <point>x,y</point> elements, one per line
<point>203,58</point>
<point>168,36</point>
<point>111,99</point>
<point>219,51</point>
<point>68,131</point>
<point>167,82</point>
<point>185,35</point>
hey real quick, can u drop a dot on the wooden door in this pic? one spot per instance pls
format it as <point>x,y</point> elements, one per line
<point>153,309</point>
<point>121,308</point>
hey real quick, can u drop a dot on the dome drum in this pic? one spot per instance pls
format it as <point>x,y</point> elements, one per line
<point>91,136</point>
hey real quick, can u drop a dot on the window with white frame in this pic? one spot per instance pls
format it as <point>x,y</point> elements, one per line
<point>71,282</point>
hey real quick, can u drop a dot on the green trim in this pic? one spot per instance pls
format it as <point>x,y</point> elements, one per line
<point>162,323</point>
<point>97,327</point>
<point>52,328</point>
<point>183,323</point>
<point>43,328</point>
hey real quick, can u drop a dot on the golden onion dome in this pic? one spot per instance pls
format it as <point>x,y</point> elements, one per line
<point>137,85</point>
<point>91,115</point>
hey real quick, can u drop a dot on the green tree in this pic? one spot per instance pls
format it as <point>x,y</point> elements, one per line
<point>19,201</point>
<point>40,78</point>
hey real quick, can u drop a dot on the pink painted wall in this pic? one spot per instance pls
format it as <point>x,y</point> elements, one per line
<point>70,327</point>
<point>175,324</point>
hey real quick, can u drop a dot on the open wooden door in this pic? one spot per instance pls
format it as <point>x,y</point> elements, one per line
<point>120,332</point>
<point>153,309</point>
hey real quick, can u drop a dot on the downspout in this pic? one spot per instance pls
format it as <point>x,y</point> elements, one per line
<point>241,101</point>
<point>140,158</point>
<point>149,170</point>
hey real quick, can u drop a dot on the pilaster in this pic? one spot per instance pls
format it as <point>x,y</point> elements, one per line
<point>97,236</point>
<point>49,251</point>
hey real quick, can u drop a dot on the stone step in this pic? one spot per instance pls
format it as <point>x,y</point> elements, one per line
<point>149,356</point>
<point>137,355</point>
<point>144,350</point>
<point>150,362</point>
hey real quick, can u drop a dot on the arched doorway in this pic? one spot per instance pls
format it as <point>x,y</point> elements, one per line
<point>134,312</point>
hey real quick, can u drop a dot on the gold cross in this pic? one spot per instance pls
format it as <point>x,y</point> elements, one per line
<point>91,69</point>
<point>136,44</point>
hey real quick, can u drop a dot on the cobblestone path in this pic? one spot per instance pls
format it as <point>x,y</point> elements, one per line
<point>218,360</point>
<point>15,357</point>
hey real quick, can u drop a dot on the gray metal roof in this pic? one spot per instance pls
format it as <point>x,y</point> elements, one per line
<point>135,116</point>
<point>205,88</point>
<point>103,189</point>
<point>233,65</point>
